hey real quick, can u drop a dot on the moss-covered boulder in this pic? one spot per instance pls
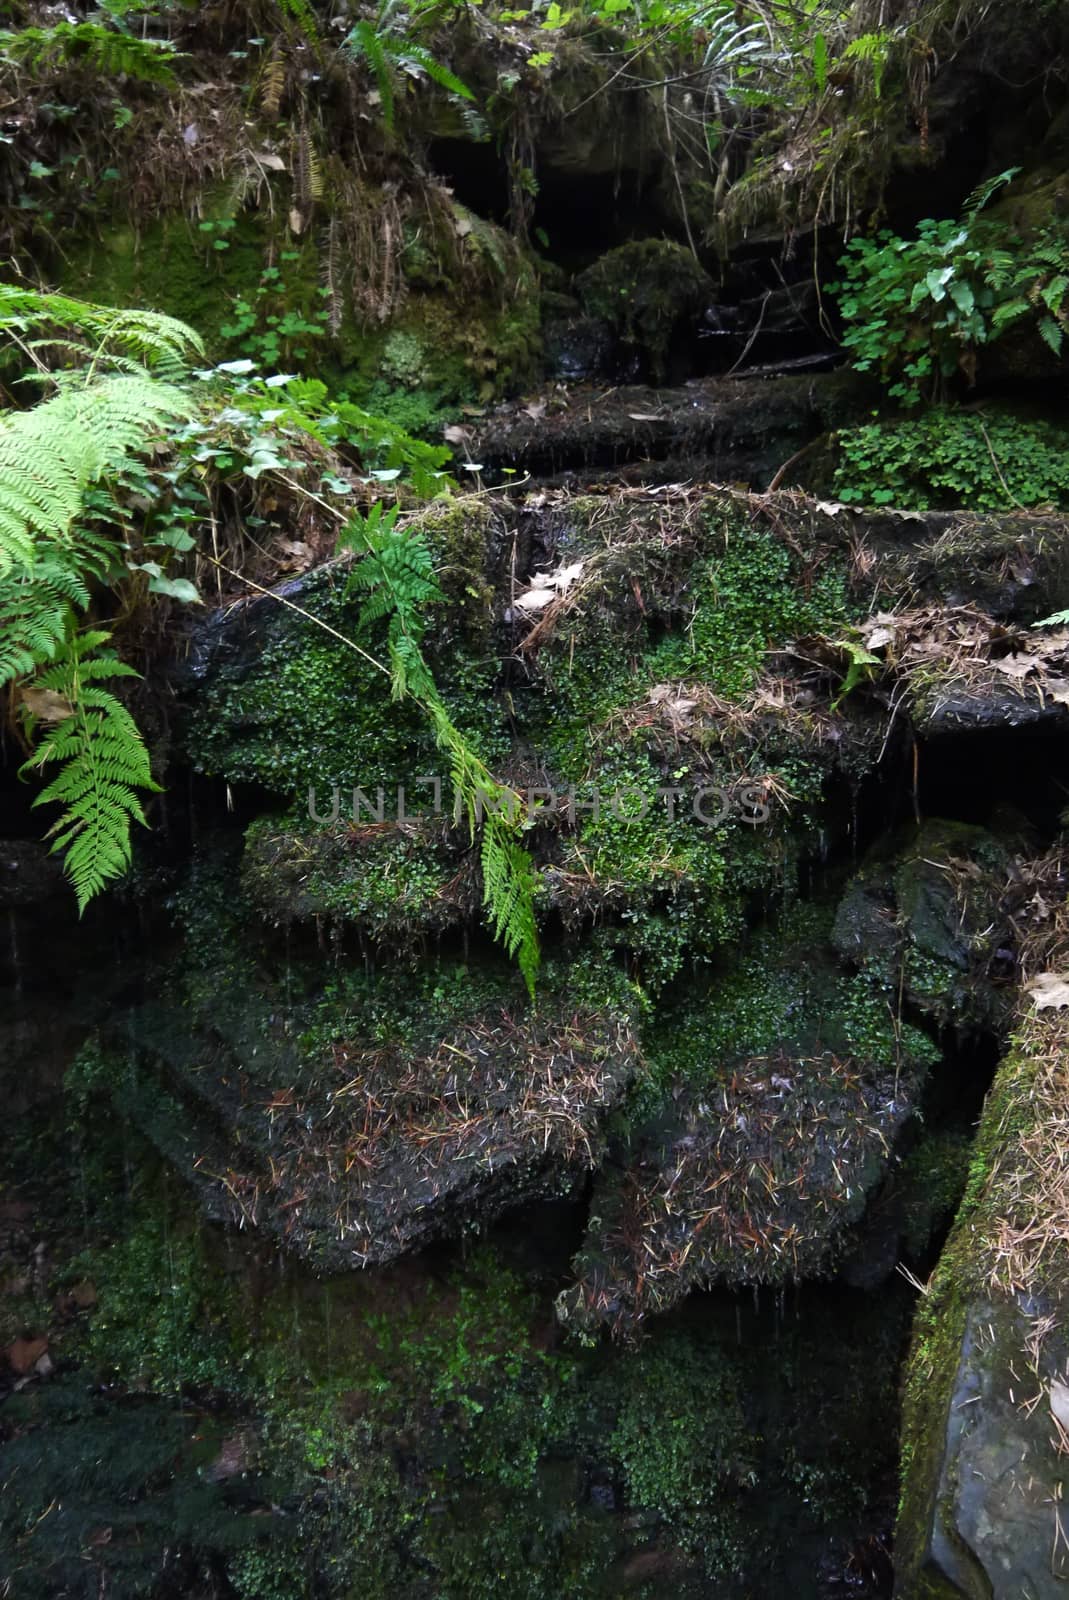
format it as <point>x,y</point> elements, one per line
<point>649,293</point>
<point>770,1114</point>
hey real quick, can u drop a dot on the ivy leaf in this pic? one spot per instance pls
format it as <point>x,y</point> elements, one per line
<point>176,589</point>
<point>963,297</point>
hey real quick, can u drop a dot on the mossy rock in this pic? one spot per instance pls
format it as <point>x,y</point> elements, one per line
<point>927,907</point>
<point>647,292</point>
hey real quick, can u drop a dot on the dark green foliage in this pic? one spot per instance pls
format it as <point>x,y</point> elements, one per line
<point>106,1493</point>
<point>987,461</point>
<point>918,310</point>
<point>93,46</point>
<point>389,49</point>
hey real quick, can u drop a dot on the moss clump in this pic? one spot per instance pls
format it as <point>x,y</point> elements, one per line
<point>782,993</point>
<point>446,347</point>
<point>691,1458</point>
<point>742,603</point>
<point>163,1320</point>
<point>646,291</point>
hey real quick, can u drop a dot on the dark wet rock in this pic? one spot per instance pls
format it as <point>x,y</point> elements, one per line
<point>724,430</point>
<point>28,873</point>
<point>577,347</point>
<point>759,1182</point>
<point>930,910</point>
<point>362,1151</point>
<point>988,709</point>
<point>999,1528</point>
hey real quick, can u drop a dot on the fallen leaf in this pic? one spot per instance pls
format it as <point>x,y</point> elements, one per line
<point>877,638</point>
<point>562,579</point>
<point>1016,666</point>
<point>536,410</point>
<point>1050,990</point>
<point>24,1354</point>
<point>643,416</point>
<point>45,704</point>
<point>294,547</point>
<point>455,434</point>
<point>1059,1403</point>
<point>1057,689</point>
<point>535,599</point>
<point>268,158</point>
<point>190,134</point>
<point>296,221</point>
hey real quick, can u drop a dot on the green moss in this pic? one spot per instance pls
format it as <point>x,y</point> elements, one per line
<point>745,601</point>
<point>932,1180</point>
<point>782,992</point>
<point>306,711</point>
<point>163,1320</point>
<point>690,1464</point>
<point>171,264</point>
<point>446,347</point>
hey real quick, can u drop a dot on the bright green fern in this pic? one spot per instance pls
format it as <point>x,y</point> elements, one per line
<point>50,455</point>
<point>38,602</point>
<point>104,763</point>
<point>108,400</point>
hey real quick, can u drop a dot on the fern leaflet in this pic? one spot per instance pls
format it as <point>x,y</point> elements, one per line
<point>50,455</point>
<point>89,44</point>
<point>397,580</point>
<point>104,763</point>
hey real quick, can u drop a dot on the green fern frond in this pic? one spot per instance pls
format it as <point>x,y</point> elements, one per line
<point>396,575</point>
<point>508,891</point>
<point>103,763</point>
<point>409,54</point>
<point>363,40</point>
<point>101,335</point>
<point>36,608</point>
<point>105,51</point>
<point>300,12</point>
<point>51,454</point>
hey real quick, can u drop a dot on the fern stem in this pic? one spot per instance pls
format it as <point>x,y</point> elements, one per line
<point>300,610</point>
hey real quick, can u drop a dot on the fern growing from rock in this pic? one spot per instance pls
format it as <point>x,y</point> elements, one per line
<point>397,581</point>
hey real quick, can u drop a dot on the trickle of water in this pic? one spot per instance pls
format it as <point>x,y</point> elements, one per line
<point>14,956</point>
